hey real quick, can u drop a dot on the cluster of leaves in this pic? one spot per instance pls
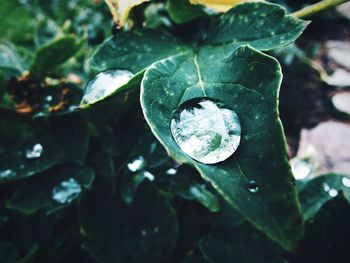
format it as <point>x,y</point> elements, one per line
<point>167,208</point>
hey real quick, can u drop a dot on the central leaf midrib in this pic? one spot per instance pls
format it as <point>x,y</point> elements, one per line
<point>200,81</point>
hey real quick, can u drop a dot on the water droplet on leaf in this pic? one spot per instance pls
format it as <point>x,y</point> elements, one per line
<point>5,174</point>
<point>148,175</point>
<point>171,171</point>
<point>333,192</point>
<point>48,98</point>
<point>67,191</point>
<point>346,181</point>
<point>326,187</point>
<point>206,130</point>
<point>253,187</point>
<point>301,169</point>
<point>34,151</point>
<point>105,83</point>
<point>137,164</point>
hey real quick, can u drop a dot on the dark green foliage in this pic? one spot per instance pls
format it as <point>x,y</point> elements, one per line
<point>138,197</point>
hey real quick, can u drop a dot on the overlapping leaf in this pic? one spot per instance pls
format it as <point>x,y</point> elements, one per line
<point>244,79</point>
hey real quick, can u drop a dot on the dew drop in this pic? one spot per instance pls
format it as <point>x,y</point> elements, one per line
<point>5,174</point>
<point>326,187</point>
<point>148,175</point>
<point>66,192</point>
<point>206,130</point>
<point>333,192</point>
<point>137,164</point>
<point>253,187</point>
<point>48,98</point>
<point>171,171</point>
<point>346,181</point>
<point>105,83</point>
<point>34,151</point>
<point>301,169</point>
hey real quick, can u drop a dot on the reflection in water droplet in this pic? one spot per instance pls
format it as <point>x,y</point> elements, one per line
<point>67,191</point>
<point>333,193</point>
<point>206,130</point>
<point>148,175</point>
<point>105,83</point>
<point>5,174</point>
<point>253,187</point>
<point>346,181</point>
<point>301,169</point>
<point>137,164</point>
<point>35,151</point>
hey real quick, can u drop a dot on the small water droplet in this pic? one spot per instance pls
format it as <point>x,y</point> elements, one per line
<point>206,130</point>
<point>333,192</point>
<point>148,175</point>
<point>105,83</point>
<point>137,164</point>
<point>301,169</point>
<point>253,187</point>
<point>48,98</point>
<point>143,232</point>
<point>326,187</point>
<point>171,171</point>
<point>34,151</point>
<point>346,181</point>
<point>5,174</point>
<point>66,192</point>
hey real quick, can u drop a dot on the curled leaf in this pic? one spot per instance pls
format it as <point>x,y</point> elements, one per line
<point>120,9</point>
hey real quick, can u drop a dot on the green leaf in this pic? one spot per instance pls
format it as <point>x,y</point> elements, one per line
<point>63,139</point>
<point>181,11</point>
<point>261,25</point>
<point>185,186</point>
<point>231,239</point>
<point>17,22</point>
<point>144,232</point>
<point>327,235</point>
<point>8,252</point>
<point>240,243</point>
<point>135,50</point>
<point>28,201</point>
<point>9,59</point>
<point>13,133</point>
<point>314,193</point>
<point>46,31</point>
<point>52,55</point>
<point>248,82</point>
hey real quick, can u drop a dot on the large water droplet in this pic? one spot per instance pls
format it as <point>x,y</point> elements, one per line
<point>137,164</point>
<point>34,151</point>
<point>66,192</point>
<point>206,130</point>
<point>253,187</point>
<point>5,174</point>
<point>105,83</point>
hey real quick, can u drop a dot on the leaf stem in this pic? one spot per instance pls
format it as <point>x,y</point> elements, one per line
<point>318,7</point>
